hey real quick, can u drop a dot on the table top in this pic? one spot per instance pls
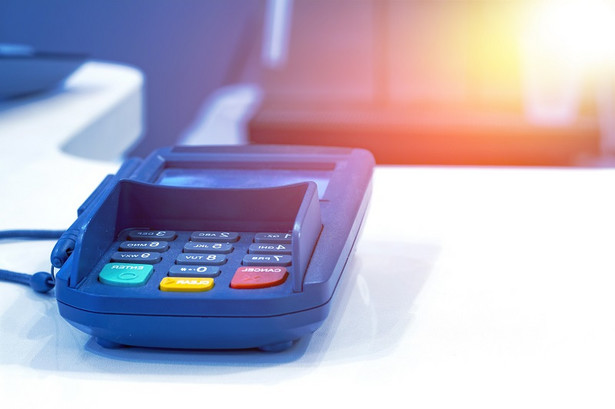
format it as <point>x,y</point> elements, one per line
<point>484,286</point>
<point>44,139</point>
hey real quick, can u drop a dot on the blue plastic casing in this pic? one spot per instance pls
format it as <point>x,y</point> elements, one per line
<point>318,195</point>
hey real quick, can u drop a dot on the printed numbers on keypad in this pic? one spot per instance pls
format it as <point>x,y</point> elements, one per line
<point>215,236</point>
<point>201,259</point>
<point>144,246</point>
<point>249,260</point>
<point>198,247</point>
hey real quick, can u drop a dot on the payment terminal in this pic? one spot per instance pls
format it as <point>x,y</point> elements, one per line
<point>221,247</point>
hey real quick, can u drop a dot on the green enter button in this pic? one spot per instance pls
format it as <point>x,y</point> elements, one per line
<point>125,275</point>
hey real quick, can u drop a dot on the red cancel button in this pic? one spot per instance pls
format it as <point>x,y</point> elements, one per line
<point>258,277</point>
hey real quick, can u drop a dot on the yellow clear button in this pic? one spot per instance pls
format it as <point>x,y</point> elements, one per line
<point>186,284</point>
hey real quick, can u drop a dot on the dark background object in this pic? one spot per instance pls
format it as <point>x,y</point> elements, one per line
<point>186,49</point>
<point>424,82</point>
<point>24,72</point>
<point>414,81</point>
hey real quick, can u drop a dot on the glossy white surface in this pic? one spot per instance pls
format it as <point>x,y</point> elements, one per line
<point>56,147</point>
<point>470,287</point>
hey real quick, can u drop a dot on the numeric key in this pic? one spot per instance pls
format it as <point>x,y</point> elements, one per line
<point>284,238</point>
<point>135,257</point>
<point>269,248</point>
<point>200,247</point>
<point>158,246</point>
<point>201,259</point>
<point>165,235</point>
<point>215,236</point>
<point>266,260</point>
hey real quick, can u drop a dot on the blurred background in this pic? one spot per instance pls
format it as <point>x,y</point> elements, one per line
<point>474,82</point>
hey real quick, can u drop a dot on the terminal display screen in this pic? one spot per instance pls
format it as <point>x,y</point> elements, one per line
<point>244,178</point>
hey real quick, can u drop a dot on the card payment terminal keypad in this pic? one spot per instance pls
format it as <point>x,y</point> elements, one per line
<point>193,261</point>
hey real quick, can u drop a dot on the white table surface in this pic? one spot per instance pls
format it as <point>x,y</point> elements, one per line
<point>470,287</point>
<point>46,139</point>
